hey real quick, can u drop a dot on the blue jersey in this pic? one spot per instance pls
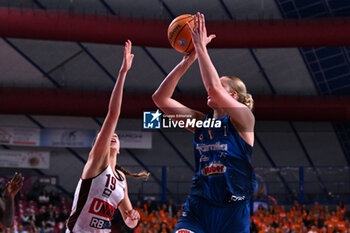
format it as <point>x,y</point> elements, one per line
<point>224,173</point>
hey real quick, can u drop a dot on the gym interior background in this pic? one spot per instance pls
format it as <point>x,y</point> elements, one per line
<point>55,85</point>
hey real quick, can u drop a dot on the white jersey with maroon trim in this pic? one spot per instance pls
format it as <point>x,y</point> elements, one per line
<point>95,201</point>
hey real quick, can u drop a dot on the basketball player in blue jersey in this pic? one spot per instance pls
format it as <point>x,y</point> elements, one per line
<point>102,187</point>
<point>224,180</point>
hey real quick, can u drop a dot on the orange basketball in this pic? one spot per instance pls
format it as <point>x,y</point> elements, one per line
<point>179,34</point>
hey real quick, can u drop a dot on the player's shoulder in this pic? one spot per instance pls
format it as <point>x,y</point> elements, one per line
<point>119,172</point>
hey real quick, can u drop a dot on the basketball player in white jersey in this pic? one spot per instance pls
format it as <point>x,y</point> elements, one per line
<point>102,187</point>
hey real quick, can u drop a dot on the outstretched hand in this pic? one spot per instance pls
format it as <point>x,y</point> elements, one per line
<point>199,32</point>
<point>14,185</point>
<point>128,57</point>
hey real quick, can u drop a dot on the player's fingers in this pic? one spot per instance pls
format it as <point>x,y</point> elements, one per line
<point>20,183</point>
<point>129,213</point>
<point>20,180</point>
<point>136,215</point>
<point>133,216</point>
<point>203,23</point>
<point>125,49</point>
<point>191,29</point>
<point>198,21</point>
<point>17,179</point>
<point>194,23</point>
<point>129,46</point>
<point>14,178</point>
<point>212,36</point>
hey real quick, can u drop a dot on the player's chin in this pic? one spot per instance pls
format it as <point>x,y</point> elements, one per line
<point>211,103</point>
<point>114,146</point>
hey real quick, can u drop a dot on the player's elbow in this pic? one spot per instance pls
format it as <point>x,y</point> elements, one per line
<point>158,100</point>
<point>155,97</point>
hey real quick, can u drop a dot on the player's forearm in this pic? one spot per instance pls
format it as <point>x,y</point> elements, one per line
<point>8,214</point>
<point>167,87</point>
<point>208,71</point>
<point>117,95</point>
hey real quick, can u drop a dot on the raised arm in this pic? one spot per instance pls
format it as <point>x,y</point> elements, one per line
<point>162,97</point>
<point>7,208</point>
<point>240,115</point>
<point>98,157</point>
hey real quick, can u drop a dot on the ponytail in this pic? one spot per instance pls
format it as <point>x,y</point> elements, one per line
<point>243,96</point>
<point>248,101</point>
<point>142,174</point>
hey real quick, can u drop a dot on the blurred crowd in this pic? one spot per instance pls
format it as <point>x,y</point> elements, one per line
<point>300,219</point>
<point>44,211</point>
<point>272,218</point>
<point>157,218</point>
<point>39,210</point>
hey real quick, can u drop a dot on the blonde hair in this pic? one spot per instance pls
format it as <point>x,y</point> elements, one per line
<point>238,85</point>
<point>142,174</point>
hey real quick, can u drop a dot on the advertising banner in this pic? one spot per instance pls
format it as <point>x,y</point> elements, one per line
<point>19,136</point>
<point>24,159</point>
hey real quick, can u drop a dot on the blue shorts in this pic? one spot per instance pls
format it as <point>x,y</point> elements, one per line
<point>200,216</point>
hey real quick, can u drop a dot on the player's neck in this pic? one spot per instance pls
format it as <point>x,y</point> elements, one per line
<point>219,112</point>
<point>113,159</point>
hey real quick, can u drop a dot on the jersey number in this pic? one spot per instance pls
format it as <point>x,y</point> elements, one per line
<point>110,182</point>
